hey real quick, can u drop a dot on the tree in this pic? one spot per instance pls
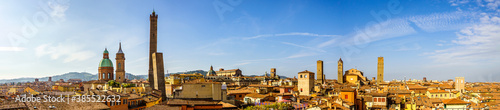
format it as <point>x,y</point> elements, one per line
<point>275,106</point>
<point>113,83</point>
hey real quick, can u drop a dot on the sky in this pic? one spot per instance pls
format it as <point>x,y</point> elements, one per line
<point>439,40</point>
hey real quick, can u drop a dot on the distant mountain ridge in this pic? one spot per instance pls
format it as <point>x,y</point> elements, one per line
<point>85,76</point>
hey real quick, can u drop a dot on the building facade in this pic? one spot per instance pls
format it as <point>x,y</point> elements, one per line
<point>229,73</point>
<point>306,82</point>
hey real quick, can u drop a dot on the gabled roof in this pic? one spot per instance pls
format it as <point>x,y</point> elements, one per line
<point>455,102</point>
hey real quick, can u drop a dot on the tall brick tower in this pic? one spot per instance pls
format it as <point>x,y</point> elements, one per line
<point>156,72</point>
<point>380,70</point>
<point>340,73</point>
<point>152,45</point>
<point>320,77</point>
<point>120,65</point>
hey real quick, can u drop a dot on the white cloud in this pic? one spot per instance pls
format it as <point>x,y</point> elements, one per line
<point>66,52</point>
<point>12,49</point>
<point>58,10</point>
<point>289,34</point>
<point>443,21</point>
<point>478,43</point>
<point>302,54</point>
<point>310,48</point>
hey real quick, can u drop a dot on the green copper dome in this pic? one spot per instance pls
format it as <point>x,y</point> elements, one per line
<point>105,63</point>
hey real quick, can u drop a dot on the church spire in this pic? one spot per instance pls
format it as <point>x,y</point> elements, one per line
<point>120,48</point>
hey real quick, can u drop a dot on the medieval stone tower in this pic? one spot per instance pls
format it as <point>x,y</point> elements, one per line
<point>340,73</point>
<point>380,70</point>
<point>306,82</point>
<point>156,72</point>
<point>459,84</point>
<point>120,65</point>
<point>273,72</point>
<point>321,78</point>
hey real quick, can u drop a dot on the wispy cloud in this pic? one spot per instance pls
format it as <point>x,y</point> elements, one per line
<point>302,54</point>
<point>290,34</point>
<point>397,27</point>
<point>478,43</point>
<point>409,48</point>
<point>240,64</point>
<point>12,49</point>
<point>68,52</point>
<point>310,48</point>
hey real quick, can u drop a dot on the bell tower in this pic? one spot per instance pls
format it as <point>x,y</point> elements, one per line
<point>380,70</point>
<point>340,73</point>
<point>120,65</point>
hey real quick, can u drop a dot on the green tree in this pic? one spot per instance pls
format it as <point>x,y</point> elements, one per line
<point>113,83</point>
<point>275,106</point>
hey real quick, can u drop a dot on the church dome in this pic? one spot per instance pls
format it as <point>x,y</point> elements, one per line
<point>105,63</point>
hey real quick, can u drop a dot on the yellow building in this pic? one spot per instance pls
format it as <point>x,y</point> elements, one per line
<point>306,82</point>
<point>442,94</point>
<point>348,94</point>
<point>229,73</point>
<point>178,78</point>
<point>354,76</point>
<point>201,90</point>
<point>31,91</point>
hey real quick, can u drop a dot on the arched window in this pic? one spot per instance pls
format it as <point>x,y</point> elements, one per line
<point>300,76</point>
<point>119,65</point>
<point>109,75</point>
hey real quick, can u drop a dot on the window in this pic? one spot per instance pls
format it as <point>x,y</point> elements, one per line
<point>300,76</point>
<point>119,77</point>
<point>241,95</point>
<point>346,97</point>
<point>383,99</point>
<point>202,85</point>
<point>300,89</point>
<point>119,65</point>
<point>305,76</point>
<point>376,99</point>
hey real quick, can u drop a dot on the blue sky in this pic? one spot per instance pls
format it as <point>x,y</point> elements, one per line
<point>435,39</point>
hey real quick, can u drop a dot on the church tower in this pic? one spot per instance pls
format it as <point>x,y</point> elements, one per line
<point>120,65</point>
<point>105,67</point>
<point>380,70</point>
<point>320,77</point>
<point>340,73</point>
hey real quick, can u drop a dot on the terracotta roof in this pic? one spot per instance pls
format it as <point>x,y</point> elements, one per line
<point>454,101</point>
<point>438,91</point>
<point>255,95</point>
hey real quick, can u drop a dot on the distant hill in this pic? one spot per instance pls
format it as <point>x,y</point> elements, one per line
<point>204,73</point>
<point>282,77</point>
<point>71,75</point>
<point>88,76</point>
